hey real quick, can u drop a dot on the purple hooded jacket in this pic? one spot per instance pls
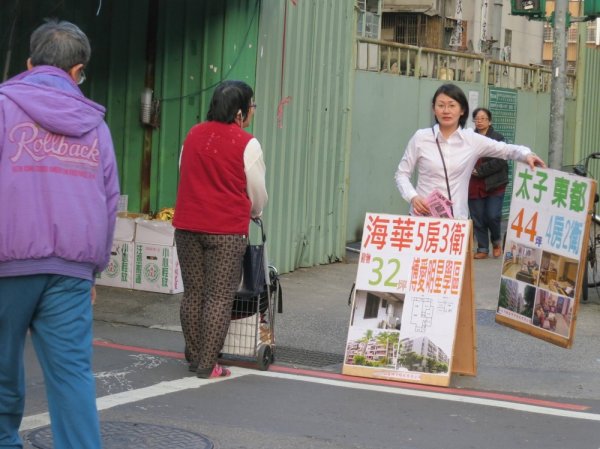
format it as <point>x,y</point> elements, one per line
<point>59,186</point>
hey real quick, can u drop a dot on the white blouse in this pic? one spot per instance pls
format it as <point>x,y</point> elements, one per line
<point>254,165</point>
<point>461,151</point>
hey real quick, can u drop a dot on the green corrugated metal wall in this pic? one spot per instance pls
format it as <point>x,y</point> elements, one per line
<point>198,43</point>
<point>587,132</point>
<point>303,89</point>
<point>201,44</point>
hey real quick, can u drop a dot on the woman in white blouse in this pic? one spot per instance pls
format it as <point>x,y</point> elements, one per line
<point>460,149</point>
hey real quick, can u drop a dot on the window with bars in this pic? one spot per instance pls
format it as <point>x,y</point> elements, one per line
<point>408,29</point>
<point>591,31</point>
<point>507,38</point>
<point>368,18</point>
<point>572,34</point>
<point>548,32</point>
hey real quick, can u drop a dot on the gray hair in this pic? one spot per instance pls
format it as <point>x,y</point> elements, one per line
<point>60,44</point>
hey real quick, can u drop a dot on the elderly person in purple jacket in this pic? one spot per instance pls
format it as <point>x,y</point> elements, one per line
<point>58,176</point>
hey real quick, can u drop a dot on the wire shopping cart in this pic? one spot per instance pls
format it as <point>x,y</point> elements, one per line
<point>252,329</point>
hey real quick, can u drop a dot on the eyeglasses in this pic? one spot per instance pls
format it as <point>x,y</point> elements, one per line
<point>81,77</point>
<point>450,106</point>
<point>480,119</point>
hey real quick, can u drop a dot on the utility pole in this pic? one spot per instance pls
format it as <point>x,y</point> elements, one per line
<point>559,84</point>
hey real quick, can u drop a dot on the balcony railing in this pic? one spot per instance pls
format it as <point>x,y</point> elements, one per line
<point>421,62</point>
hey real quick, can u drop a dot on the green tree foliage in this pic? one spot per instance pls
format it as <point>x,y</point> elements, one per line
<point>528,300</point>
<point>359,359</point>
<point>503,297</point>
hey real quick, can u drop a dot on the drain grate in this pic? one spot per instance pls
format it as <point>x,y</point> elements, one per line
<point>130,435</point>
<point>316,359</point>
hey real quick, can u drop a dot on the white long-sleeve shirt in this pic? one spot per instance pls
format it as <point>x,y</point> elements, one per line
<point>461,151</point>
<point>254,166</point>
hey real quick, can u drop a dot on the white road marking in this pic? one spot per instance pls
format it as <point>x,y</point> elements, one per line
<point>187,383</point>
<point>35,421</point>
<point>140,394</point>
<point>174,328</point>
<point>434,395</point>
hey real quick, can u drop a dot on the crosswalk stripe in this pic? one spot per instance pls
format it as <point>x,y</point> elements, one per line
<point>190,382</point>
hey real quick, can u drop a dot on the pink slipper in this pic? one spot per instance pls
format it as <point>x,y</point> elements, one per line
<point>217,371</point>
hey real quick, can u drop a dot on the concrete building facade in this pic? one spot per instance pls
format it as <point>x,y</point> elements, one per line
<point>483,27</point>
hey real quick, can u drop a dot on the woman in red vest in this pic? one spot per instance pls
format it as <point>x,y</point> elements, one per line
<point>221,187</point>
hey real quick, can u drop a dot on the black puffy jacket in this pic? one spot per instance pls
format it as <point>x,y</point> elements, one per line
<point>494,171</point>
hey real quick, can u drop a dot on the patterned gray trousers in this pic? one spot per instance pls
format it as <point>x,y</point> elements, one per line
<point>211,268</point>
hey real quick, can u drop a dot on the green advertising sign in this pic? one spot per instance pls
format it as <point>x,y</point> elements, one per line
<point>503,106</point>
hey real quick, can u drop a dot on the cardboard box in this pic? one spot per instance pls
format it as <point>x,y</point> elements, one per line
<point>154,232</point>
<point>125,229</point>
<point>125,225</point>
<point>157,269</point>
<point>133,215</point>
<point>119,272</point>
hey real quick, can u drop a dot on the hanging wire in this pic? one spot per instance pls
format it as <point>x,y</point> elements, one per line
<point>10,42</point>
<point>99,7</point>
<point>193,94</point>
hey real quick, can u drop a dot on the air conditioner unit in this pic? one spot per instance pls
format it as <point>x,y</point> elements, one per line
<point>429,7</point>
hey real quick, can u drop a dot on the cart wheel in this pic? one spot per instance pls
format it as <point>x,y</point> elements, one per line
<point>264,357</point>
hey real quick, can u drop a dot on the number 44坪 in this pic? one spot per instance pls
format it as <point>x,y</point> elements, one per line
<point>529,229</point>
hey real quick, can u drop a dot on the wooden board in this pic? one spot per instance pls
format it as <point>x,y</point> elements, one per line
<point>465,346</point>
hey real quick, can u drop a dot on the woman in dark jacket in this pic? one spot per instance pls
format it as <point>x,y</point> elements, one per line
<point>486,191</point>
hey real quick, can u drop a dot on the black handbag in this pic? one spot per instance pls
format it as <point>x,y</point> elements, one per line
<point>251,296</point>
<point>253,267</point>
<point>254,295</point>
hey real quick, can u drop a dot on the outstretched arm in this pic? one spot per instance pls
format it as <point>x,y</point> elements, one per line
<point>534,160</point>
<point>491,148</point>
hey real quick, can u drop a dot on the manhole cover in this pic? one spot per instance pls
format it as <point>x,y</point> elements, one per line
<point>129,435</point>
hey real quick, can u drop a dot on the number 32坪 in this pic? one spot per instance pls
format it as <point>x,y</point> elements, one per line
<point>390,281</point>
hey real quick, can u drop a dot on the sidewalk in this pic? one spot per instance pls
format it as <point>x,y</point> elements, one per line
<point>315,322</point>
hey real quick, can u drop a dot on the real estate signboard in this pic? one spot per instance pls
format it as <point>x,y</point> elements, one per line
<point>545,253</point>
<point>412,301</point>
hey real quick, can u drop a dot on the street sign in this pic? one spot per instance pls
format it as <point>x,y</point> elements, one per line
<point>591,8</point>
<point>531,8</point>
